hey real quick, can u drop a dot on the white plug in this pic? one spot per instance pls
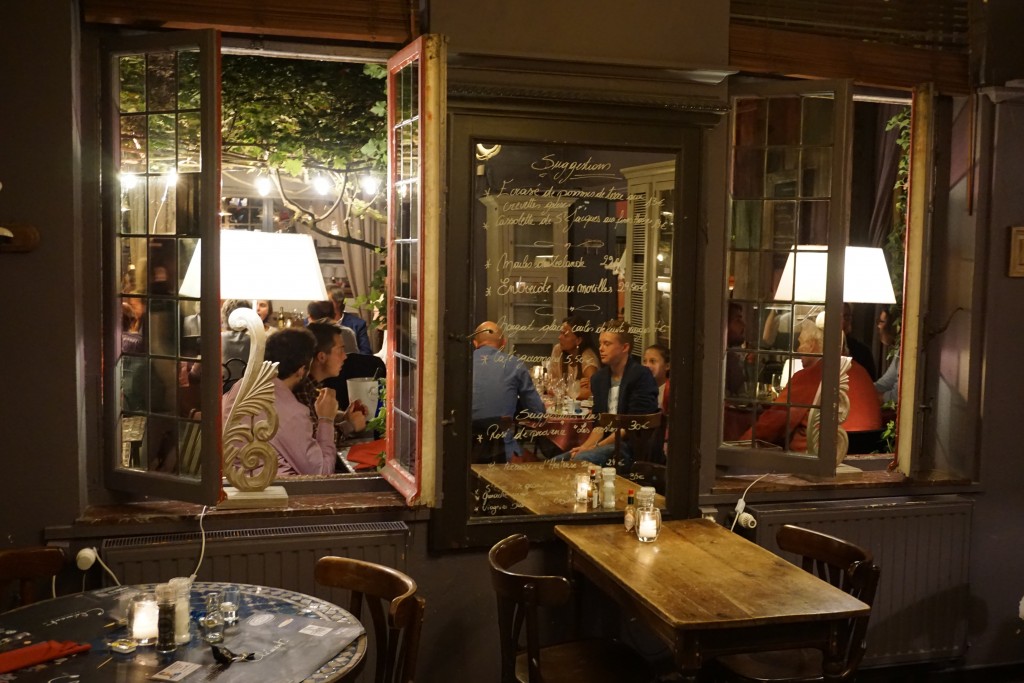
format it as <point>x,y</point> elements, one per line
<point>747,520</point>
<point>86,558</point>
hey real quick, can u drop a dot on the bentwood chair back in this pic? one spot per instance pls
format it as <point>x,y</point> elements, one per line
<point>519,597</point>
<point>641,431</point>
<point>395,610</point>
<point>26,566</point>
<point>842,564</point>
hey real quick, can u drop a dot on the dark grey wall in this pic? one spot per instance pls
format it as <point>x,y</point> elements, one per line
<point>41,390</point>
<point>997,548</point>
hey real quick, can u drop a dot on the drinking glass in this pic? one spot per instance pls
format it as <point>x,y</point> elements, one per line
<point>230,601</point>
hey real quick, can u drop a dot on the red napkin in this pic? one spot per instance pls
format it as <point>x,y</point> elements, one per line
<point>38,653</point>
<point>365,456</point>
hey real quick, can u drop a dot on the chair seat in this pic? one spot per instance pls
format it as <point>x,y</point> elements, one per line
<point>798,666</point>
<point>587,661</point>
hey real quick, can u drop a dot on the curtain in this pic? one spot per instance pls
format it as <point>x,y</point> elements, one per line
<point>361,263</point>
<point>886,163</point>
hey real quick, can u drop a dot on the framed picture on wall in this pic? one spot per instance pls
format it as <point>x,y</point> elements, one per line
<point>1017,252</point>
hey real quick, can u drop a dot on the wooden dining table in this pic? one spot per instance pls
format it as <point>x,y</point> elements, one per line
<point>706,591</point>
<point>542,488</point>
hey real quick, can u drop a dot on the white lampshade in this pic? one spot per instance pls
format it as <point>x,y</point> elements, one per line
<point>262,265</point>
<point>866,276</point>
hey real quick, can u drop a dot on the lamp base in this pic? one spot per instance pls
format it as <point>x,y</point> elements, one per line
<point>270,497</point>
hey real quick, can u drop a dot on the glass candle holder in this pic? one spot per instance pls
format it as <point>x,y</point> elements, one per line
<point>143,618</point>
<point>648,524</point>
<point>582,487</point>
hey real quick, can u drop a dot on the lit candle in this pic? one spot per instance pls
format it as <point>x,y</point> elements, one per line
<point>582,487</point>
<point>144,618</point>
<point>647,525</point>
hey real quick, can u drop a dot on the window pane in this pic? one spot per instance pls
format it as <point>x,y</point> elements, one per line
<point>162,202</point>
<point>784,121</point>
<point>161,85</point>
<point>816,172</point>
<point>188,79</point>
<point>133,204</point>
<point>132,83</point>
<point>751,120</point>
<point>748,178</point>
<point>818,115</point>
<point>189,137</point>
<point>134,144</point>
<point>187,195</point>
<point>162,146</point>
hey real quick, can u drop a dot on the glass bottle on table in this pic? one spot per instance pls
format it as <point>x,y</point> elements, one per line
<point>629,518</point>
<point>213,620</point>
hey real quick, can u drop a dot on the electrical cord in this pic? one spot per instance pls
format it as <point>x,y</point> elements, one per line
<point>202,546</point>
<point>741,504</point>
<point>107,569</point>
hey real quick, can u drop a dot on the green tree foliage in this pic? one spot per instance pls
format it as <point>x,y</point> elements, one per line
<point>294,114</point>
<point>895,243</point>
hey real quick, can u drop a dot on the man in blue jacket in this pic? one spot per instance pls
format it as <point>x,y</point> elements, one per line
<point>622,386</point>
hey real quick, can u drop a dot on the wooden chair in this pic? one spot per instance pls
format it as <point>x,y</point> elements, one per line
<point>519,597</point>
<point>845,566</point>
<point>395,609</point>
<point>26,566</point>
<point>640,430</point>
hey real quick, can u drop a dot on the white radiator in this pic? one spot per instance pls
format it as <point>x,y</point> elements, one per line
<point>922,546</point>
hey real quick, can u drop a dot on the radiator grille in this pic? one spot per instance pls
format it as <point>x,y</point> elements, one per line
<point>922,546</point>
<point>270,556</point>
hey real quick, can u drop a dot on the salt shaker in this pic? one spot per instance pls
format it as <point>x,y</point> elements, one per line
<point>608,488</point>
<point>182,589</point>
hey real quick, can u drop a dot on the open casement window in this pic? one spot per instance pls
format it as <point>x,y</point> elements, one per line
<point>416,95</point>
<point>161,175</point>
<point>161,195</point>
<point>788,203</point>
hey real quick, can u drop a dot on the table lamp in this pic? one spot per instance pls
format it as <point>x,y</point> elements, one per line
<point>866,277</point>
<point>866,280</point>
<point>256,265</point>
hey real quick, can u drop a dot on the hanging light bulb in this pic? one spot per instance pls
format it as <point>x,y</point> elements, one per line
<point>370,184</point>
<point>128,180</point>
<point>263,185</point>
<point>171,178</point>
<point>321,184</point>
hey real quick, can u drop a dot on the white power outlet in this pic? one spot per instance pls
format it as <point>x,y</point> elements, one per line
<point>86,558</point>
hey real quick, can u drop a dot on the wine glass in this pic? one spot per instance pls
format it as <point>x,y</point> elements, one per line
<point>558,390</point>
<point>572,390</point>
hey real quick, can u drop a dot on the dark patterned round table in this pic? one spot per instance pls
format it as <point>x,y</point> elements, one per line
<point>90,617</point>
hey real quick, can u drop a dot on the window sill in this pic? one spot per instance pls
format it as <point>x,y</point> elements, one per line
<point>868,483</point>
<point>364,504</point>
